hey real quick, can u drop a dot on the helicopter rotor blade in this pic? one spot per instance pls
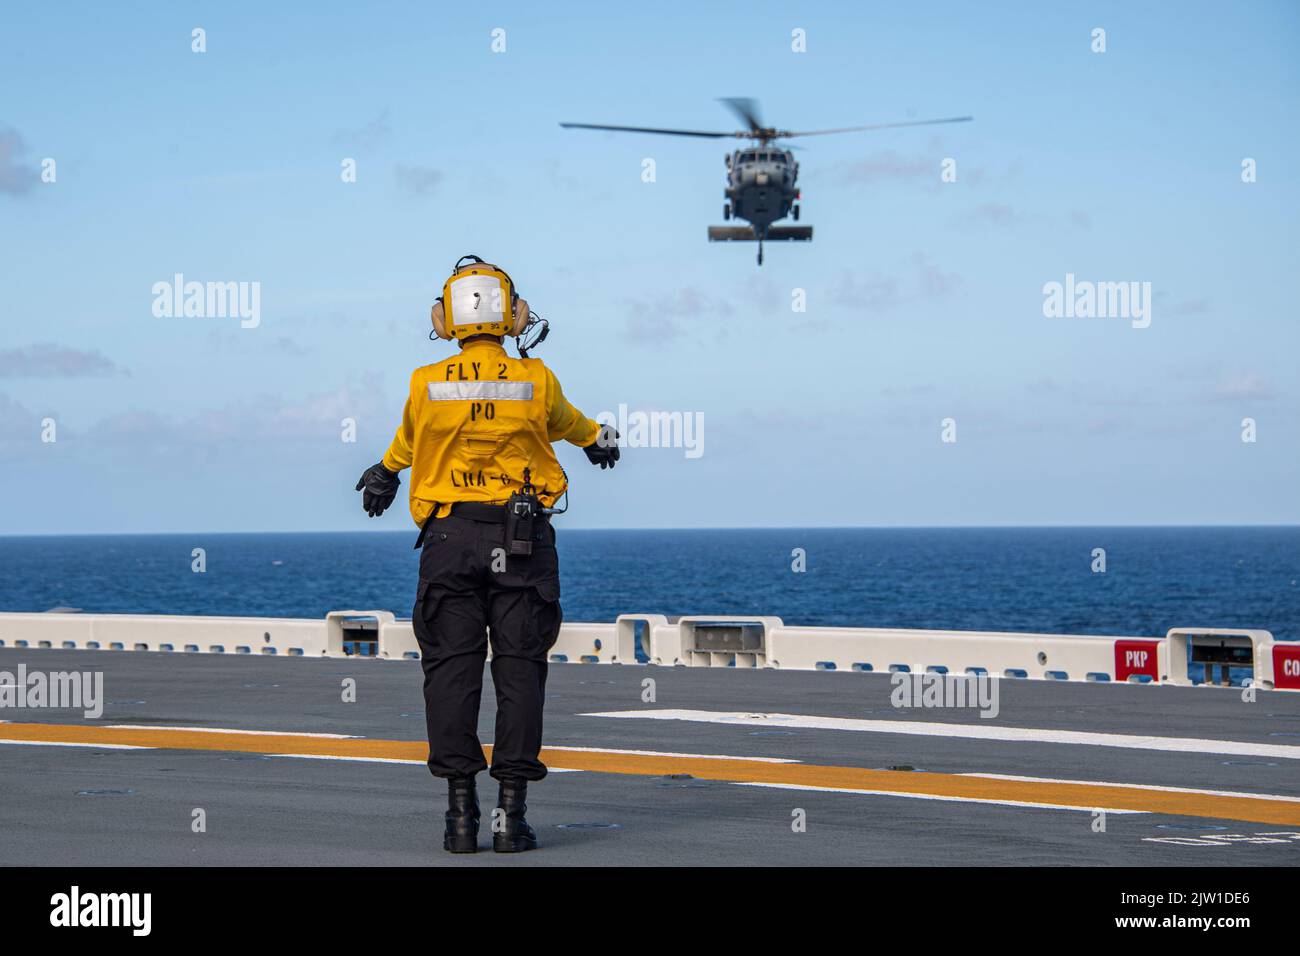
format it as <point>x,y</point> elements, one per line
<point>858,129</point>
<point>651,129</point>
<point>745,108</point>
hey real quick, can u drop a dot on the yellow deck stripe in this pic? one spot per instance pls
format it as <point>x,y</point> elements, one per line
<point>1113,796</point>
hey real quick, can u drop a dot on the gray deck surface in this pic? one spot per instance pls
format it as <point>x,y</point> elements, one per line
<point>278,810</point>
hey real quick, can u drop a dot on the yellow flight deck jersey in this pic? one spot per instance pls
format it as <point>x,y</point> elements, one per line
<point>474,421</point>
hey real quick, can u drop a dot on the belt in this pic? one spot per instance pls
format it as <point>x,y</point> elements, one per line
<point>473,511</point>
<point>479,511</point>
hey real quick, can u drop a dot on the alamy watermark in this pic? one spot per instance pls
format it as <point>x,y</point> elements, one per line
<point>130,910</point>
<point>71,690</point>
<point>945,690</point>
<point>208,300</point>
<point>1083,299</point>
<point>637,429</point>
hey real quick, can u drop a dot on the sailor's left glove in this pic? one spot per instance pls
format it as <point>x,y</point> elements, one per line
<point>604,450</point>
<point>378,486</point>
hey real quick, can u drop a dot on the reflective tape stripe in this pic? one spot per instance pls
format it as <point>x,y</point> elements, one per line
<point>471,391</point>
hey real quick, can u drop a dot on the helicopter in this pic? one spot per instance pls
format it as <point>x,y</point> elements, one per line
<point>762,178</point>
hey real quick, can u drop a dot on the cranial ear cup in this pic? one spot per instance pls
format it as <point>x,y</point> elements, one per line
<point>436,315</point>
<point>521,315</point>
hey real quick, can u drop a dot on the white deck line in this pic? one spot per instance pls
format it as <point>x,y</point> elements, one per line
<point>232,730</point>
<point>1020,804</point>
<point>68,743</point>
<point>968,731</point>
<point>403,760</point>
<point>668,753</point>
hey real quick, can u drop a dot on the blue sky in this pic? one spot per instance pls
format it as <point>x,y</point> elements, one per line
<point>924,299</point>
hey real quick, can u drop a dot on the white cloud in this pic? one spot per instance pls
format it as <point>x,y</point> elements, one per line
<point>47,360</point>
<point>15,177</point>
<point>1247,387</point>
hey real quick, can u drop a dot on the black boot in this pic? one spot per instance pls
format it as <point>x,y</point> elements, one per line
<point>462,816</point>
<point>511,832</point>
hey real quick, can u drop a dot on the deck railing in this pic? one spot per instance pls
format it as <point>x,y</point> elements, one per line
<point>1184,656</point>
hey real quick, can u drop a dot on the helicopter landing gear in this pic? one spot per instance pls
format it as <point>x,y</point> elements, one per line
<point>726,211</point>
<point>794,210</point>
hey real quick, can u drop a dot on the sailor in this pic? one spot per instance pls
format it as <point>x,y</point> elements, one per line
<point>476,433</point>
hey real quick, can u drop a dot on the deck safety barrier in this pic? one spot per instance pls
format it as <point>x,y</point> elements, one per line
<point>1184,656</point>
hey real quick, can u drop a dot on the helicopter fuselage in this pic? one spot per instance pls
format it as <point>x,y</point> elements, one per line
<point>762,185</point>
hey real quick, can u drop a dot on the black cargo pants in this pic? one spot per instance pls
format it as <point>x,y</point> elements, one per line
<point>462,600</point>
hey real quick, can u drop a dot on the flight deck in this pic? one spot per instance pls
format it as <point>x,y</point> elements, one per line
<point>317,759</point>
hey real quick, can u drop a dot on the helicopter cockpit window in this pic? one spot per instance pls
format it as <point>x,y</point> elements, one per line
<point>746,157</point>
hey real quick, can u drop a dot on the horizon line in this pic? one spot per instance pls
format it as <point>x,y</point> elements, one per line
<point>413,530</point>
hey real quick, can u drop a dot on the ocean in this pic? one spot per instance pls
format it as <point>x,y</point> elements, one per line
<point>1017,579</point>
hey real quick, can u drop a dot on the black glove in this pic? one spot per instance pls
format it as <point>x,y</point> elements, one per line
<point>604,450</point>
<point>380,488</point>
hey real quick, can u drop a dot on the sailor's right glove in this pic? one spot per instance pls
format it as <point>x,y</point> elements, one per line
<point>378,486</point>
<point>604,450</point>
